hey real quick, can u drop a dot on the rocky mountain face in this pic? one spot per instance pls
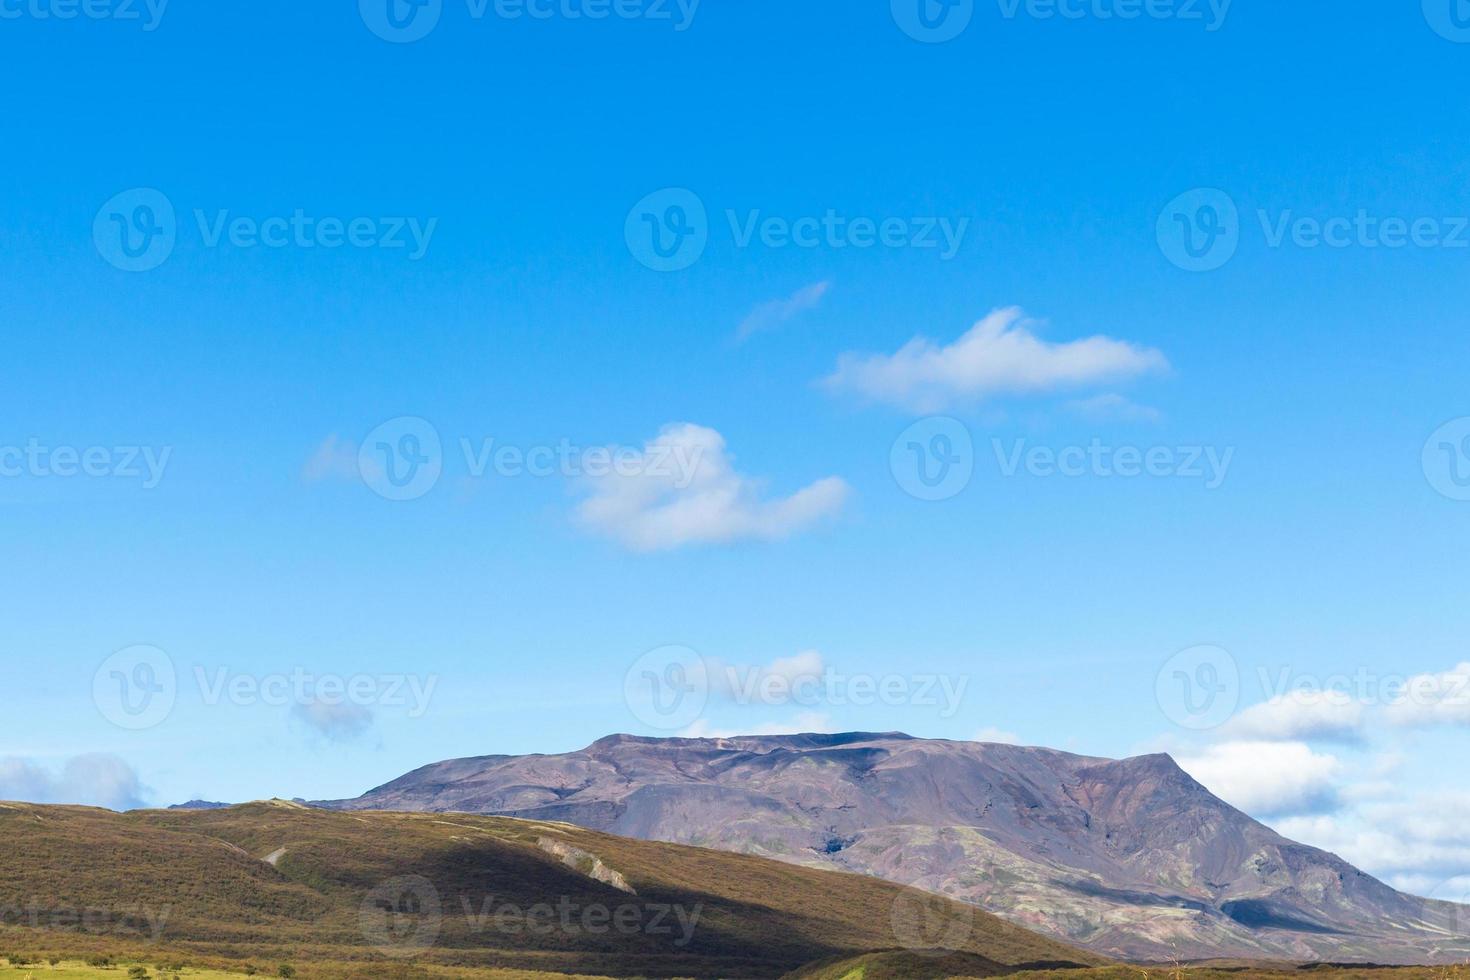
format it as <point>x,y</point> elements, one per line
<point>1128,858</point>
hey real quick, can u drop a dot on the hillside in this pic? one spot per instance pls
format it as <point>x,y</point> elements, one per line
<point>1132,859</point>
<point>377,894</point>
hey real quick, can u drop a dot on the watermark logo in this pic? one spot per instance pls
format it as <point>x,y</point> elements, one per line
<point>406,21</point>
<point>933,21</point>
<point>401,21</point>
<point>668,688</point>
<point>1210,13</point>
<point>148,13</point>
<point>668,230</point>
<point>136,687</point>
<point>39,461</point>
<point>924,922</point>
<point>569,917</point>
<point>933,459</point>
<point>1199,688</point>
<point>402,459</point>
<point>1449,18</point>
<point>1208,464</point>
<point>402,916</point>
<point>136,230</point>
<point>132,920</point>
<point>1446,459</point>
<point>1199,231</point>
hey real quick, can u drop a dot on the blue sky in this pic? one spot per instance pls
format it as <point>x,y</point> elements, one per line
<point>515,158</point>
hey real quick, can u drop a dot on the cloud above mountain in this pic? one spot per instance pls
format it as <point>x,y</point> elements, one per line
<point>95,779</point>
<point>1267,779</point>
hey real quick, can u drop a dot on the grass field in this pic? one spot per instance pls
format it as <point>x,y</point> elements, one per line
<point>195,887</point>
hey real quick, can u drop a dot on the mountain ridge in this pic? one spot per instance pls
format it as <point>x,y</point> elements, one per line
<point>1129,858</point>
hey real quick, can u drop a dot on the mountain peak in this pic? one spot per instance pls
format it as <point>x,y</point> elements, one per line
<point>1110,847</point>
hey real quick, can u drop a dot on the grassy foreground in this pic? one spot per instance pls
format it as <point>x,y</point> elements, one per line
<point>342,896</point>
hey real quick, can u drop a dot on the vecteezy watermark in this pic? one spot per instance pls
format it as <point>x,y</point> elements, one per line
<point>403,459</point>
<point>129,920</point>
<point>1447,693</point>
<point>937,21</point>
<point>826,686</point>
<point>669,688</point>
<point>405,915</point>
<point>1208,464</point>
<point>1446,459</point>
<point>1210,14</point>
<point>137,231</point>
<point>138,687</point>
<point>669,230</point>
<point>1446,908</point>
<point>406,21</point>
<point>1200,230</point>
<point>1199,688</point>
<point>1449,18</point>
<point>933,459</point>
<point>38,461</point>
<point>933,21</point>
<point>146,13</point>
<point>930,924</point>
<point>402,916</point>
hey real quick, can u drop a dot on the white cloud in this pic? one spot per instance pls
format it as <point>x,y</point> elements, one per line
<point>772,314</point>
<point>999,355</point>
<point>1267,778</point>
<point>808,722</point>
<point>1301,715</point>
<point>1434,699</point>
<point>338,721</point>
<point>1112,407</point>
<point>88,780</point>
<point>1419,844</point>
<point>998,736</point>
<point>773,683</point>
<point>661,503</point>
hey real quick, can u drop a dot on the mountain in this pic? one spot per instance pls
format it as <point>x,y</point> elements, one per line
<point>1130,859</point>
<point>199,805</point>
<point>419,896</point>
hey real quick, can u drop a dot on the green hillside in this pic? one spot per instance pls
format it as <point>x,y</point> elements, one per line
<point>415,895</point>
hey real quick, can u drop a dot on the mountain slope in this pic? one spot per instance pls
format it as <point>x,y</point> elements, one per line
<point>1129,858</point>
<point>279,882</point>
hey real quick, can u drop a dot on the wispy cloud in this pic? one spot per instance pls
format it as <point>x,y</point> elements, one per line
<point>807,722</point>
<point>997,736</point>
<point>772,314</point>
<point>684,490</point>
<point>1000,355</point>
<point>333,459</point>
<point>336,721</point>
